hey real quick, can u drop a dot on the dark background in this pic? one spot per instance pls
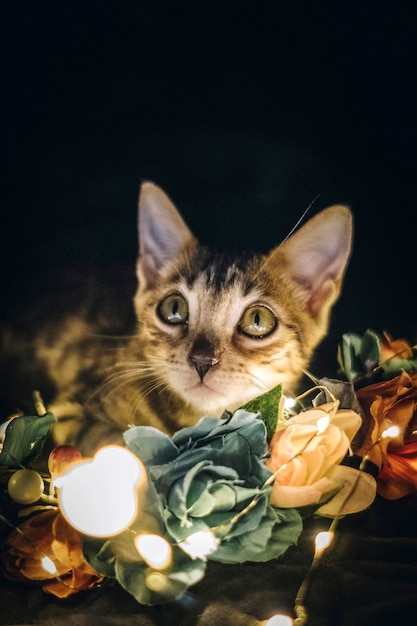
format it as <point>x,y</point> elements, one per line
<point>243,111</point>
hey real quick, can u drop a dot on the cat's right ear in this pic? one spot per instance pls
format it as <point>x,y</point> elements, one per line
<point>163,234</point>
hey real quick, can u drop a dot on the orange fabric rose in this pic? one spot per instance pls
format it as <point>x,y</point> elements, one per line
<point>398,476</point>
<point>48,534</point>
<point>394,348</point>
<point>391,403</point>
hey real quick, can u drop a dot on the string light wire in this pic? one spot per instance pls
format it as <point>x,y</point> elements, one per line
<point>299,604</point>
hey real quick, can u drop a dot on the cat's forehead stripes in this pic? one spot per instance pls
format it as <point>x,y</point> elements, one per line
<point>218,272</point>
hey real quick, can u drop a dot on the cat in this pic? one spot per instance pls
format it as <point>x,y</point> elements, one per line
<point>213,330</point>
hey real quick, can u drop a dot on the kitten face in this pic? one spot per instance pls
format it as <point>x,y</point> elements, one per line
<point>216,331</point>
<point>218,341</point>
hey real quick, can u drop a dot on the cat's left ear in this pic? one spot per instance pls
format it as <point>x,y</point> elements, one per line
<point>163,234</point>
<point>317,255</point>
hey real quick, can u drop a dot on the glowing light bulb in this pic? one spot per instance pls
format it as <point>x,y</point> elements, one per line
<point>289,403</point>
<point>279,620</point>
<point>200,544</point>
<point>48,565</point>
<point>98,496</point>
<point>391,432</point>
<point>155,550</point>
<point>322,424</point>
<point>322,541</point>
<point>158,582</point>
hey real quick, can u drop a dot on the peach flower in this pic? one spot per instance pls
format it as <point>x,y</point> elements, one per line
<point>305,452</point>
<point>47,534</point>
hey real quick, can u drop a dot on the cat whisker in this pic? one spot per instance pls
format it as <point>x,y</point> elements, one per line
<point>136,371</point>
<point>258,382</point>
<point>269,258</point>
<point>311,376</point>
<point>105,336</point>
<point>114,383</point>
<point>153,385</point>
<point>133,371</point>
<point>110,385</point>
<point>301,218</point>
<point>137,400</point>
<point>134,366</point>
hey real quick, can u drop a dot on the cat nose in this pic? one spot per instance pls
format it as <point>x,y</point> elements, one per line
<point>203,356</point>
<point>202,365</point>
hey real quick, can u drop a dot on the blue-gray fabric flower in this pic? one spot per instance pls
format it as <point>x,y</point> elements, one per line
<point>207,475</point>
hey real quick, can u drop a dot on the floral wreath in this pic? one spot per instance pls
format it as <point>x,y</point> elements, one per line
<point>152,514</point>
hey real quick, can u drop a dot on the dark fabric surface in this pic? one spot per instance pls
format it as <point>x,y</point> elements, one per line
<point>367,578</point>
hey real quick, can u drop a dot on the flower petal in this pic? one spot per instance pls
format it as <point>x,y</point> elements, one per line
<point>152,446</point>
<point>287,496</point>
<point>357,490</point>
<point>398,477</point>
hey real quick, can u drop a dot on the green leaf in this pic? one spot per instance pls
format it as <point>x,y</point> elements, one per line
<point>25,437</point>
<point>358,356</point>
<point>268,406</point>
<point>370,352</point>
<point>393,366</point>
<point>348,356</point>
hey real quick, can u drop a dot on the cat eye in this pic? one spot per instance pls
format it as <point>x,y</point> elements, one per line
<point>257,321</point>
<point>173,309</point>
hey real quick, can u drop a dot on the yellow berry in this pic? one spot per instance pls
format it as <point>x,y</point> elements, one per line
<point>25,486</point>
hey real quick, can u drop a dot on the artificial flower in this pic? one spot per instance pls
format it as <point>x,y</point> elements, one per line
<point>304,454</point>
<point>398,476</point>
<point>395,348</point>
<point>200,485</point>
<point>208,473</point>
<point>385,404</point>
<point>374,355</point>
<point>47,534</point>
